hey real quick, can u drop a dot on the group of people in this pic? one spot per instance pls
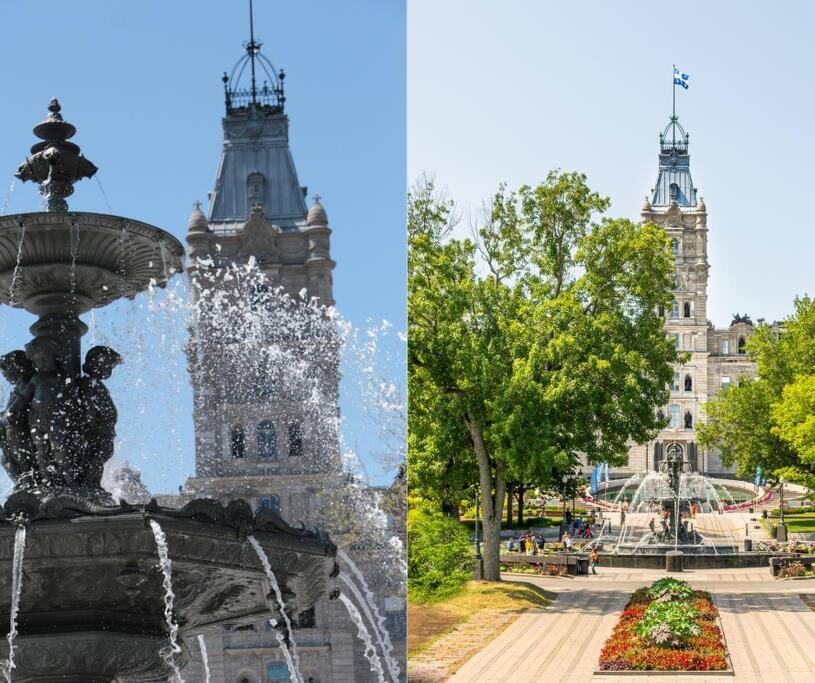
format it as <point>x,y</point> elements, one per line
<point>529,543</point>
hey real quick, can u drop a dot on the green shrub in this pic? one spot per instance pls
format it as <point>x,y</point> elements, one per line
<point>669,624</point>
<point>439,553</point>
<point>669,590</point>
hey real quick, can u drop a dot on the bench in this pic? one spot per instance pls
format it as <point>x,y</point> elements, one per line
<point>573,563</point>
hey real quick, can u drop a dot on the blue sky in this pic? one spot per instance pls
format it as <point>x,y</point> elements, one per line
<point>507,91</point>
<point>141,81</point>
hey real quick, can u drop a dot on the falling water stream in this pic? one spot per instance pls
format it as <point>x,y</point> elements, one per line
<point>16,584</point>
<point>8,199</point>
<point>290,652</point>
<point>392,669</point>
<point>18,265</point>
<point>204,658</point>
<point>365,636</point>
<point>168,653</point>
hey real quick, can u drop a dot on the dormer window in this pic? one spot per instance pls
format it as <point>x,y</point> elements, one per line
<point>255,189</point>
<point>674,191</point>
<point>675,245</point>
<point>742,345</point>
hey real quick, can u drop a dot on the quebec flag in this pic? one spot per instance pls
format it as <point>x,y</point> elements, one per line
<point>680,78</point>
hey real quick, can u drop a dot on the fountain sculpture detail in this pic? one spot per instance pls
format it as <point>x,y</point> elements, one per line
<point>93,603</point>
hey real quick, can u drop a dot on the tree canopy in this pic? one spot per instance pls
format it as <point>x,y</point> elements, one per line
<point>769,421</point>
<point>537,339</point>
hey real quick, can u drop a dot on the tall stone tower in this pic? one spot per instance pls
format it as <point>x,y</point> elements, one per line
<point>263,358</point>
<point>263,258</point>
<point>715,357</point>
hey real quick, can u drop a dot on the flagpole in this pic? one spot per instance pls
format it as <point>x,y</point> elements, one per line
<point>673,117</point>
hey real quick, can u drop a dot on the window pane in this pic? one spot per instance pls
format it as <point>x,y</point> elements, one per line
<point>675,416</point>
<point>237,441</point>
<point>267,440</point>
<point>295,439</point>
<point>277,672</point>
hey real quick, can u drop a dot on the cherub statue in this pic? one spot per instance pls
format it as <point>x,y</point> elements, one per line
<point>54,414</point>
<point>100,411</point>
<point>15,434</point>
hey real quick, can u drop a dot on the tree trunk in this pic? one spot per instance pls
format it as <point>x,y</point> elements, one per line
<point>492,478</point>
<point>521,491</point>
<point>509,505</point>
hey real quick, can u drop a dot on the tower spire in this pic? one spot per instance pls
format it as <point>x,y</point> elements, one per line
<point>252,49</point>
<point>269,96</point>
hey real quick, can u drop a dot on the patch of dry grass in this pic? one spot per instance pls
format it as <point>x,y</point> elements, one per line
<point>427,622</point>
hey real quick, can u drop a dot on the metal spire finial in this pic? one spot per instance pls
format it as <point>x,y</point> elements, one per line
<point>252,48</point>
<point>268,98</point>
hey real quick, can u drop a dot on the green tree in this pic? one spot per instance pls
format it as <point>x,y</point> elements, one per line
<point>536,340</point>
<point>439,553</point>
<point>769,421</point>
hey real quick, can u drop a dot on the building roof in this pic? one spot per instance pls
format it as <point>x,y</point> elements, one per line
<point>674,182</point>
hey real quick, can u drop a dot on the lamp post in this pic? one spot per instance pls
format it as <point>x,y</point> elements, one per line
<point>781,531</point>
<point>572,477</point>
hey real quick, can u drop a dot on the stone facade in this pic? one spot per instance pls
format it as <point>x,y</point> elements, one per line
<point>715,356</point>
<point>256,436</point>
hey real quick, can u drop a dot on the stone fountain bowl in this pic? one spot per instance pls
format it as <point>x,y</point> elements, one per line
<point>92,599</point>
<point>81,260</point>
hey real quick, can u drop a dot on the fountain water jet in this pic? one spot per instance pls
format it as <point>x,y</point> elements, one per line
<point>16,584</point>
<point>393,670</point>
<point>91,607</point>
<point>169,653</point>
<point>290,649</point>
<point>202,645</point>
<point>365,636</point>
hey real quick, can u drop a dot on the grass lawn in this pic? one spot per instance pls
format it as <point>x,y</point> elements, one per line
<point>529,523</point>
<point>800,523</point>
<point>796,524</point>
<point>427,622</point>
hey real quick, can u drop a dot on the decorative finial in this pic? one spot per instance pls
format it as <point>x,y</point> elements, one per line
<point>197,204</point>
<point>270,96</point>
<point>316,198</point>
<point>56,164</point>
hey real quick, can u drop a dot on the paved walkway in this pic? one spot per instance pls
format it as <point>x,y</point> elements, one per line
<point>769,630</point>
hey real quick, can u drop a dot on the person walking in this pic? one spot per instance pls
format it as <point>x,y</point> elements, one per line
<point>567,541</point>
<point>594,558</point>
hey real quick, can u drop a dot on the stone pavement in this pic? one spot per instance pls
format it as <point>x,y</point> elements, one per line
<point>770,632</point>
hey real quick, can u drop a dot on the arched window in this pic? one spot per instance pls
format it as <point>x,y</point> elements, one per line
<point>742,343</point>
<point>674,416</point>
<point>676,382</point>
<point>237,441</point>
<point>661,311</point>
<point>675,246</point>
<point>267,439</point>
<point>686,309</point>
<point>688,383</point>
<point>295,439</point>
<point>660,416</point>
<point>688,420</point>
<point>674,309</point>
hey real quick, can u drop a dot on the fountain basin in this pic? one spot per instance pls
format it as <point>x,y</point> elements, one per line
<point>75,261</point>
<point>92,596</point>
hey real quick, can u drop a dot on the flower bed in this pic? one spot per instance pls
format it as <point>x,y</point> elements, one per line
<point>666,627</point>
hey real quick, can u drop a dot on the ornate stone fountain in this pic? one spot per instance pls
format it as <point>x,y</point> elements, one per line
<point>92,594</point>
